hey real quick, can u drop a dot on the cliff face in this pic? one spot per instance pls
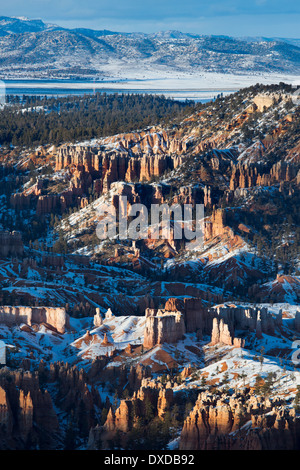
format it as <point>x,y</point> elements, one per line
<point>242,422</point>
<point>244,175</point>
<point>53,316</point>
<point>91,167</point>
<point>263,100</point>
<point>221,333</point>
<point>167,326</point>
<point>132,159</point>
<point>228,319</point>
<point>163,327</point>
<point>47,203</point>
<point>143,157</point>
<point>153,142</point>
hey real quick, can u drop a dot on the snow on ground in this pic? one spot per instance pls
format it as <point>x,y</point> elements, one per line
<point>216,364</point>
<point>120,331</point>
<point>288,310</point>
<point>177,85</point>
<point>242,367</point>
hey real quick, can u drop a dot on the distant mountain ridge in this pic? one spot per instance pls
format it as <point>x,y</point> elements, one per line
<point>33,47</point>
<point>20,25</point>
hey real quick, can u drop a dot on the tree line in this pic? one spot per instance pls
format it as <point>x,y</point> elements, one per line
<point>36,120</point>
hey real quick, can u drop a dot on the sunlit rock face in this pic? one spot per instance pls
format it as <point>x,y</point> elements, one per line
<point>53,316</point>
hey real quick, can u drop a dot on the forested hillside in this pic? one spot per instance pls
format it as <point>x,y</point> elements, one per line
<point>33,120</point>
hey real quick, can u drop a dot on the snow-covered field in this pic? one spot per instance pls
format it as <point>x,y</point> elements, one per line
<point>177,85</point>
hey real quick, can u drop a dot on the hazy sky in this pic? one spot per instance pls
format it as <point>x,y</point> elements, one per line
<point>230,17</point>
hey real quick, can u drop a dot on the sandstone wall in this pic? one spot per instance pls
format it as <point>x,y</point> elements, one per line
<point>128,162</point>
<point>244,175</point>
<point>262,101</point>
<point>163,327</point>
<point>55,317</point>
<point>266,100</point>
<point>221,323</point>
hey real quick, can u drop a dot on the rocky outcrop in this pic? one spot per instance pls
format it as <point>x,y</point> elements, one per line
<point>98,320</point>
<point>27,411</point>
<point>265,100</point>
<point>216,226</point>
<point>152,141</point>
<point>131,169</point>
<point>244,175</point>
<point>231,318</point>
<point>25,417</point>
<point>129,161</point>
<point>47,203</point>
<point>283,288</point>
<point>222,334</point>
<point>148,400</point>
<point>163,327</point>
<point>109,314</point>
<point>164,402</point>
<point>174,305</point>
<point>53,316</point>
<point>75,392</point>
<point>105,341</point>
<point>221,322</point>
<point>137,374</point>
<point>123,415</point>
<point>92,168</point>
<point>241,422</point>
<point>21,201</point>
